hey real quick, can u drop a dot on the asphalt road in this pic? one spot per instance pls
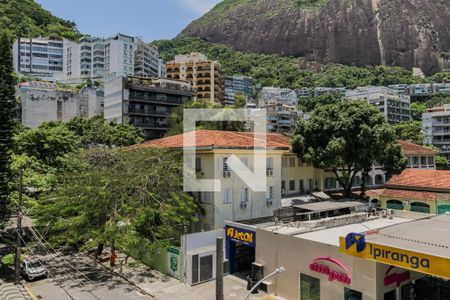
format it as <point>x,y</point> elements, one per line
<point>92,282</point>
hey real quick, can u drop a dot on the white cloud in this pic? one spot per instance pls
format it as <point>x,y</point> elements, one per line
<point>199,6</point>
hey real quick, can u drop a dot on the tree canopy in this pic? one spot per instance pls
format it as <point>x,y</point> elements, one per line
<point>410,131</point>
<point>346,138</point>
<point>131,198</point>
<point>26,18</point>
<point>7,121</point>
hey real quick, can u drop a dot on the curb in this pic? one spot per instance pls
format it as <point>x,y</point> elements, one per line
<point>30,293</point>
<point>121,276</point>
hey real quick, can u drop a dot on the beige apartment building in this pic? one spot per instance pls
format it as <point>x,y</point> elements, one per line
<point>206,76</point>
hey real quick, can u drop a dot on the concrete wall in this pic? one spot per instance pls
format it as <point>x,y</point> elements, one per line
<point>114,96</point>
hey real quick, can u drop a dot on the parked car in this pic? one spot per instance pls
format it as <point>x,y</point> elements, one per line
<point>31,270</point>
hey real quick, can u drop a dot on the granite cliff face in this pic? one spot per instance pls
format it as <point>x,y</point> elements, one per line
<point>407,33</point>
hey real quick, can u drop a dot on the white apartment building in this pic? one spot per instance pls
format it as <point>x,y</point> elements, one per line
<point>282,108</point>
<point>89,58</point>
<point>394,106</point>
<point>43,102</point>
<point>436,127</point>
<point>40,57</point>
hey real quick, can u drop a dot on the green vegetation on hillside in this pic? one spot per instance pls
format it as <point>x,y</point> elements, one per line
<point>28,19</point>
<point>275,70</point>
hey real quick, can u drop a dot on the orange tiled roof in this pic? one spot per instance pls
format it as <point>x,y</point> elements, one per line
<point>220,139</point>
<point>409,195</point>
<point>375,193</point>
<point>409,148</point>
<point>420,178</point>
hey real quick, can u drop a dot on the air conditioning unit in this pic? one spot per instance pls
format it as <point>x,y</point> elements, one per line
<point>269,202</point>
<point>269,172</point>
<point>226,174</point>
<point>243,204</point>
<point>283,192</point>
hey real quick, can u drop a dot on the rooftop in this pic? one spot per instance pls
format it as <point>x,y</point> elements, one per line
<point>409,148</point>
<point>217,139</point>
<point>427,180</point>
<point>430,235</point>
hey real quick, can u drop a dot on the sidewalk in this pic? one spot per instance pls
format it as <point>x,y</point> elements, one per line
<point>164,287</point>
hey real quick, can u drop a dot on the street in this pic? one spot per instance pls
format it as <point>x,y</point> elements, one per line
<point>78,277</point>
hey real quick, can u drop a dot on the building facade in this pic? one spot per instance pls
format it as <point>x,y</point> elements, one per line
<point>145,102</point>
<point>206,76</point>
<point>418,190</point>
<point>40,57</point>
<point>44,102</point>
<point>237,84</point>
<point>436,127</point>
<point>394,106</point>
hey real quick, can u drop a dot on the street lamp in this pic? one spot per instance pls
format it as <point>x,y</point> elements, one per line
<point>277,271</point>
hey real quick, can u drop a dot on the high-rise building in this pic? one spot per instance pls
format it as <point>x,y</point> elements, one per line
<point>394,106</point>
<point>145,102</point>
<point>237,84</point>
<point>119,55</point>
<point>86,59</point>
<point>206,76</point>
<point>436,127</point>
<point>146,60</point>
<point>40,57</point>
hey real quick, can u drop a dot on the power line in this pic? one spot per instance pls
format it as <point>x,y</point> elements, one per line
<point>61,259</point>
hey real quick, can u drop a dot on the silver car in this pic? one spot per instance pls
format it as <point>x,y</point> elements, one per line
<point>31,270</point>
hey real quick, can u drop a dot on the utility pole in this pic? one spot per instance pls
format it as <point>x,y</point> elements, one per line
<point>219,268</point>
<point>19,230</point>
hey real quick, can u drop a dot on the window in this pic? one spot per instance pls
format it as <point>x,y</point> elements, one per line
<point>269,163</point>
<point>292,185</point>
<point>292,162</point>
<point>299,162</point>
<point>284,162</point>
<point>244,195</point>
<point>431,160</point>
<point>283,185</point>
<point>330,183</point>
<point>423,160</point>
<point>311,184</point>
<point>224,164</point>
<point>302,185</point>
<point>269,193</point>
<point>415,161</point>
<point>198,164</point>
<point>309,288</point>
<point>227,196</point>
<point>350,294</point>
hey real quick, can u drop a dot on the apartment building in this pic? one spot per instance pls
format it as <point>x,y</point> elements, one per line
<point>40,57</point>
<point>436,127</point>
<point>235,200</point>
<point>85,59</point>
<point>394,106</point>
<point>206,76</point>
<point>44,102</point>
<point>237,84</point>
<point>281,105</point>
<point>145,102</point>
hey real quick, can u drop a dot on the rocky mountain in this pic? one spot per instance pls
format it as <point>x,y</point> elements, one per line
<point>406,33</point>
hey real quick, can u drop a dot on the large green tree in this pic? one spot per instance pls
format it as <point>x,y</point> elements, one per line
<point>409,131</point>
<point>7,120</point>
<point>347,138</point>
<point>132,199</point>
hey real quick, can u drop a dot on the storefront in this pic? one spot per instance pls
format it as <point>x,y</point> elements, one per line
<point>240,247</point>
<point>415,255</point>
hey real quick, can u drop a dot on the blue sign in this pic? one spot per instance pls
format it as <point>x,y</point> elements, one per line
<point>355,238</point>
<point>244,236</point>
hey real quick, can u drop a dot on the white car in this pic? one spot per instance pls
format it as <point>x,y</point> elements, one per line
<point>31,270</point>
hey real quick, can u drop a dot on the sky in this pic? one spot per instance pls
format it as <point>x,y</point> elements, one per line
<point>147,19</point>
